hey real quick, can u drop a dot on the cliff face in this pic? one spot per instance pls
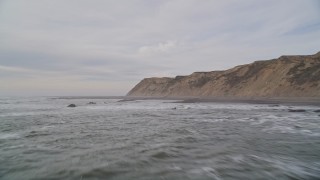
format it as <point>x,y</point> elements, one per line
<point>287,76</point>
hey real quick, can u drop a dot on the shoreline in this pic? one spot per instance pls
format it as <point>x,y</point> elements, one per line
<point>315,101</point>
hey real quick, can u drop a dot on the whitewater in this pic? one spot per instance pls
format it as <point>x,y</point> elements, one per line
<point>42,138</point>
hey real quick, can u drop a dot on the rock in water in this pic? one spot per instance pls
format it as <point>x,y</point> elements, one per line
<point>274,105</point>
<point>297,110</point>
<point>72,105</point>
<point>92,103</point>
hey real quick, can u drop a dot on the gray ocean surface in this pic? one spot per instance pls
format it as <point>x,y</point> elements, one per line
<point>40,138</point>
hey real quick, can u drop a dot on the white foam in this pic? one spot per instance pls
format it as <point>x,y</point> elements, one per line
<point>9,136</point>
<point>207,170</point>
<point>285,129</point>
<point>176,168</point>
<point>237,158</point>
<point>212,172</point>
<point>46,127</point>
<point>289,165</point>
<point>96,107</point>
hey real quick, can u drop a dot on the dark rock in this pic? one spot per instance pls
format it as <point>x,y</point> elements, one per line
<point>297,110</point>
<point>174,108</point>
<point>297,126</point>
<point>72,105</point>
<point>274,105</point>
<point>317,110</point>
<point>125,100</point>
<point>92,103</point>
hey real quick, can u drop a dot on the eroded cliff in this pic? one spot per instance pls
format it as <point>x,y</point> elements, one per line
<point>287,76</point>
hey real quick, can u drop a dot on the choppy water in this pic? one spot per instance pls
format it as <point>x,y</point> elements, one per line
<point>40,138</point>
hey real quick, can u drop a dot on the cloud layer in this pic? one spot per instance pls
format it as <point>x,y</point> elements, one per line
<point>98,47</point>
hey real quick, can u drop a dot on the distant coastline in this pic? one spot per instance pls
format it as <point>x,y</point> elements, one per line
<point>284,78</point>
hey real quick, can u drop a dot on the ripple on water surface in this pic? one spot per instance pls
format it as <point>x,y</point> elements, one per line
<point>155,139</point>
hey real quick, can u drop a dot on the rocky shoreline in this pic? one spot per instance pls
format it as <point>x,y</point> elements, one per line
<point>286,76</point>
<point>254,100</point>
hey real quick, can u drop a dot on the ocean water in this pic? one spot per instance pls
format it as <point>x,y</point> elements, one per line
<point>41,138</point>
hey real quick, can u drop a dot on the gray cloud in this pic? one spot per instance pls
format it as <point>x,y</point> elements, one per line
<point>110,45</point>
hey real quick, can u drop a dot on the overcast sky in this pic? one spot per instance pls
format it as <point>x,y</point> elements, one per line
<point>105,47</point>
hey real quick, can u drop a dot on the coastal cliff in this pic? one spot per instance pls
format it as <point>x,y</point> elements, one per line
<point>286,76</point>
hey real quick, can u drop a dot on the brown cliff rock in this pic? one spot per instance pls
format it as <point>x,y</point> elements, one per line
<point>287,76</point>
